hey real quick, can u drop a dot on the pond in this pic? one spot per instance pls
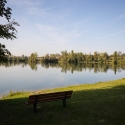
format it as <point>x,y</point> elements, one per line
<point>32,77</point>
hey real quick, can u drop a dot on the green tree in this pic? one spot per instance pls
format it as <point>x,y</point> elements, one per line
<point>105,57</point>
<point>46,57</point>
<point>115,57</point>
<point>95,56</point>
<point>7,31</point>
<point>3,53</point>
<point>33,57</point>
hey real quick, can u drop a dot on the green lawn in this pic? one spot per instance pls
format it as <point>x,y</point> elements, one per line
<point>101,103</point>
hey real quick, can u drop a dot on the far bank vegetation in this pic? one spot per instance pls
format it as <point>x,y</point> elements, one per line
<point>73,57</point>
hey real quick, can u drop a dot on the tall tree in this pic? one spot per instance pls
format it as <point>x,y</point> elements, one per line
<point>33,57</point>
<point>3,53</point>
<point>115,57</point>
<point>7,31</point>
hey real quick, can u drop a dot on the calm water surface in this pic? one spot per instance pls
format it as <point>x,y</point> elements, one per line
<point>30,78</point>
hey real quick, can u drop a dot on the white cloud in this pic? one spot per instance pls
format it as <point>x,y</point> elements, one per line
<point>58,5</point>
<point>85,31</point>
<point>32,10</point>
<point>54,31</point>
<point>50,34</point>
<point>63,16</point>
<point>112,34</point>
<point>25,2</point>
<point>78,35</point>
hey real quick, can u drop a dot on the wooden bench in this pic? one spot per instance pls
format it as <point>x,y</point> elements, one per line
<point>48,97</point>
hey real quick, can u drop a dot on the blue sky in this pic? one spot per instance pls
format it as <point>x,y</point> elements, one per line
<point>52,26</point>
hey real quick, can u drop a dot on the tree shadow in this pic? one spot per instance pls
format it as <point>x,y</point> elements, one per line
<point>100,107</point>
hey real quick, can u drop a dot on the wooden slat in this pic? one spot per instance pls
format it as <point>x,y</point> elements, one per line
<point>53,93</point>
<point>49,97</point>
<point>54,97</point>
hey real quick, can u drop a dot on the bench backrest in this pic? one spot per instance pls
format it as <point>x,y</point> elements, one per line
<point>49,97</point>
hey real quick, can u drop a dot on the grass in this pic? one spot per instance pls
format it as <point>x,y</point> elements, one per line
<point>101,103</point>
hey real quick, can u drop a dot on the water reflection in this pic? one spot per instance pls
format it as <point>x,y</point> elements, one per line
<point>33,66</point>
<point>72,67</point>
<point>14,63</point>
<point>79,67</point>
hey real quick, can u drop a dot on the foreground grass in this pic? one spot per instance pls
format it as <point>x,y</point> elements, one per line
<point>91,104</point>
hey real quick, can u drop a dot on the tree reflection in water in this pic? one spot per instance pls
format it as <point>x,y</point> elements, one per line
<point>72,67</point>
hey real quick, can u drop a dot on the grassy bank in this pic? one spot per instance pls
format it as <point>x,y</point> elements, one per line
<point>101,103</point>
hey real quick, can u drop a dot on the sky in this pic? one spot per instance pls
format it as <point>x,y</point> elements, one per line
<point>52,26</point>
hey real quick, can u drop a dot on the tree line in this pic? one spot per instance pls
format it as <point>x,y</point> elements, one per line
<point>79,57</point>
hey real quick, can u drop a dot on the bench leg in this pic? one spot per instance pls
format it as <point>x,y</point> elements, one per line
<point>64,102</point>
<point>34,106</point>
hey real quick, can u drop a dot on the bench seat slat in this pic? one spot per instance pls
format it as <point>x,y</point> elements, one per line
<point>49,96</point>
<point>56,93</point>
<point>44,99</point>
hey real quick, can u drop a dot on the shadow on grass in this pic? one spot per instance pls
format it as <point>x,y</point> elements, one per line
<point>86,107</point>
